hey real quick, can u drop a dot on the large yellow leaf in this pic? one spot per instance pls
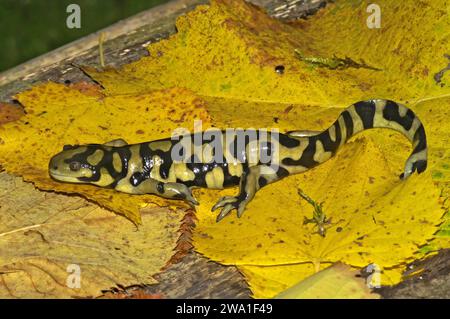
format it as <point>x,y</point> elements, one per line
<point>47,239</point>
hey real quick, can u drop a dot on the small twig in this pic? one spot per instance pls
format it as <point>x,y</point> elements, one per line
<point>335,62</point>
<point>319,218</point>
<point>101,39</point>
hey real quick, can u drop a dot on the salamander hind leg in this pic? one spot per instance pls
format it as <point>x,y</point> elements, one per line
<point>252,180</point>
<point>116,143</point>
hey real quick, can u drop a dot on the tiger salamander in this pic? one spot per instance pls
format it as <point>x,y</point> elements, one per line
<point>149,168</point>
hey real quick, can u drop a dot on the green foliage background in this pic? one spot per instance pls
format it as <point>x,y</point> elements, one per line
<point>33,27</point>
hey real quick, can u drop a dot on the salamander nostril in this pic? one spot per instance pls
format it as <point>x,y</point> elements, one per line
<point>55,167</point>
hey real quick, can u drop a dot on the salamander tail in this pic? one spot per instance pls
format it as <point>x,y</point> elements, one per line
<point>385,114</point>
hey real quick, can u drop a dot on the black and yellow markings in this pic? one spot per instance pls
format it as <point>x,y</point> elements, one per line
<point>313,150</point>
<point>182,173</point>
<point>251,181</point>
<point>366,113</point>
<point>161,145</point>
<point>419,140</point>
<point>357,123</point>
<point>398,114</point>
<point>158,159</point>
<point>117,162</point>
<point>160,187</point>
<point>269,174</point>
<point>104,179</point>
<point>306,158</point>
<point>150,167</point>
<point>81,157</point>
<point>104,165</point>
<point>215,178</point>
<point>332,132</point>
<point>358,117</point>
<point>348,125</point>
<point>133,163</point>
<point>95,158</point>
<point>232,173</point>
<point>387,115</point>
<point>233,168</point>
<point>321,155</point>
<point>330,140</point>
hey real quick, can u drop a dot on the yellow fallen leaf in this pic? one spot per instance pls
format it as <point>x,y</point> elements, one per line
<point>435,114</point>
<point>231,49</point>
<point>47,240</point>
<point>336,282</point>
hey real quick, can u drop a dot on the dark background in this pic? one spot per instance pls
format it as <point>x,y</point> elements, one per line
<point>29,28</point>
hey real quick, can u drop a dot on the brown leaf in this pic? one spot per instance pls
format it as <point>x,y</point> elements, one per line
<point>10,113</point>
<point>50,243</point>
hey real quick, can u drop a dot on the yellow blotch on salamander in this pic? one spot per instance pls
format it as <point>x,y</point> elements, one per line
<point>183,173</point>
<point>95,158</point>
<point>105,178</point>
<point>160,145</point>
<point>215,178</point>
<point>117,162</point>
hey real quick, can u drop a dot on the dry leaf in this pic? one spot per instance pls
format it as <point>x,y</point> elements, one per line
<point>47,239</point>
<point>10,113</point>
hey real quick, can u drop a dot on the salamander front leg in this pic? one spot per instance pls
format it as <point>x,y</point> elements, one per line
<point>166,190</point>
<point>177,191</point>
<point>251,181</point>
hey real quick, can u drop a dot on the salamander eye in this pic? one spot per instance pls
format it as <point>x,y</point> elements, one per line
<point>74,166</point>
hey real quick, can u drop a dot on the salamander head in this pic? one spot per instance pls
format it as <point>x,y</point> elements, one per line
<point>73,164</point>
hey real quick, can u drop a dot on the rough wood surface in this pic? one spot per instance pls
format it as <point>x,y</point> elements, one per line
<point>194,276</point>
<point>198,277</point>
<point>432,279</point>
